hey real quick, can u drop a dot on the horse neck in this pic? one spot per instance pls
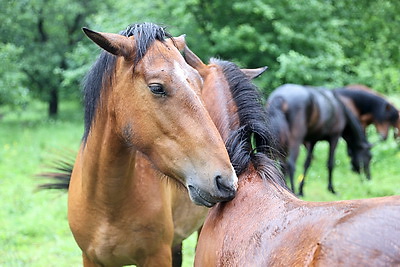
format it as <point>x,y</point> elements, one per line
<point>107,162</point>
<point>256,189</point>
<point>220,105</point>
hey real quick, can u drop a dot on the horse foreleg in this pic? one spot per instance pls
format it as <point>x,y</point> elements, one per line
<point>177,255</point>
<point>89,263</point>
<point>331,162</point>
<point>307,163</point>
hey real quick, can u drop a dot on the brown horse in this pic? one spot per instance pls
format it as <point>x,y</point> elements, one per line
<point>266,225</point>
<point>143,117</point>
<point>370,108</point>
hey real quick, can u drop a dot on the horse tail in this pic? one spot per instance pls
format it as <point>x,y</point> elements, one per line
<point>276,110</point>
<point>60,177</point>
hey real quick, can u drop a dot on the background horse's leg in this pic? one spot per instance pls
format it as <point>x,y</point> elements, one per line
<point>331,162</point>
<point>310,148</point>
<point>293,154</point>
<point>177,255</point>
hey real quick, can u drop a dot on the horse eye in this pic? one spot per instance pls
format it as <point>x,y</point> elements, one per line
<point>157,89</point>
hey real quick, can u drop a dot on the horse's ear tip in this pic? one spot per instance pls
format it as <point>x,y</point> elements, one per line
<point>87,31</point>
<point>182,36</point>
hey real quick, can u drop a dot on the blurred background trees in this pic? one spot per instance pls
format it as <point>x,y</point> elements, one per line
<point>44,53</point>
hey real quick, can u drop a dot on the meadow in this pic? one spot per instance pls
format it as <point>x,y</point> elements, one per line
<point>33,224</point>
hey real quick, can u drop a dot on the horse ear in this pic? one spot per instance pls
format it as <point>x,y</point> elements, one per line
<point>115,44</point>
<point>193,60</point>
<point>180,42</point>
<point>254,73</point>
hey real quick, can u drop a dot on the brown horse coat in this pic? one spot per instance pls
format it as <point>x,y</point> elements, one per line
<point>265,224</point>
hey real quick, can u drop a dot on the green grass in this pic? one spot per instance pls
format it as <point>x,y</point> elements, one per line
<point>33,225</point>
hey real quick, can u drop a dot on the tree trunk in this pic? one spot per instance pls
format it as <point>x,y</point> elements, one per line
<point>53,103</point>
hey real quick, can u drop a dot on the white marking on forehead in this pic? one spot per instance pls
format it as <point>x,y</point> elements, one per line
<point>181,73</point>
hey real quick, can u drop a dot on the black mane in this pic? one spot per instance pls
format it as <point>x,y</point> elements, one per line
<point>254,125</point>
<point>101,74</point>
<point>381,109</point>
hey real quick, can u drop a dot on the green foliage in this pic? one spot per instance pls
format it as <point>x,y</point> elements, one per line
<point>12,78</point>
<point>314,42</point>
<point>48,32</point>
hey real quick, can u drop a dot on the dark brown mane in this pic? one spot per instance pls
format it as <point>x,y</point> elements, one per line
<point>262,151</point>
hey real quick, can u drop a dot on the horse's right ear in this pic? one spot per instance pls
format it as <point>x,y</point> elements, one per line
<point>194,61</point>
<point>115,44</point>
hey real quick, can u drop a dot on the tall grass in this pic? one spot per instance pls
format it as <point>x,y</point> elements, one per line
<point>33,224</point>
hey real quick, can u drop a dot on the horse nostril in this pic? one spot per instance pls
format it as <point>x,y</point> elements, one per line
<point>226,188</point>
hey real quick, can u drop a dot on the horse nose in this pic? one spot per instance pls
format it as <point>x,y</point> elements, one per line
<point>226,188</point>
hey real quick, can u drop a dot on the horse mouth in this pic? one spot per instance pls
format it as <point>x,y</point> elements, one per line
<point>198,198</point>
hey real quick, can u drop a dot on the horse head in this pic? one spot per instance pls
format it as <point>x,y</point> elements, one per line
<point>153,105</point>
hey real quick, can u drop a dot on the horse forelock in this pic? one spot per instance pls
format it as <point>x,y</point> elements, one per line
<point>145,34</point>
<point>253,121</point>
<point>100,76</point>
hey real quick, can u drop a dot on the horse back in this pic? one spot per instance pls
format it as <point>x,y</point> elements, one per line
<point>313,112</point>
<point>367,236</point>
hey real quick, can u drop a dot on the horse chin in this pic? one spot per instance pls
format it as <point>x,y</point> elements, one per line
<point>200,198</point>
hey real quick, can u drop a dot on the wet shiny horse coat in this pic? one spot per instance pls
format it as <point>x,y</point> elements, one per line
<point>265,224</point>
<point>144,119</point>
<point>370,108</point>
<point>311,115</point>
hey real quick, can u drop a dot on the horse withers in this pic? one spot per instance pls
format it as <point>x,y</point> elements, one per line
<point>148,141</point>
<point>265,224</point>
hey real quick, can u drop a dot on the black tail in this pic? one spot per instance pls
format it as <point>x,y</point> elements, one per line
<point>60,177</point>
<point>276,114</point>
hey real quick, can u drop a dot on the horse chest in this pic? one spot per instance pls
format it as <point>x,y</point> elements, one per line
<point>126,243</point>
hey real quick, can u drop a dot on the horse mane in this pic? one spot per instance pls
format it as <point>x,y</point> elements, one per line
<point>253,143</point>
<point>102,72</point>
<point>367,100</point>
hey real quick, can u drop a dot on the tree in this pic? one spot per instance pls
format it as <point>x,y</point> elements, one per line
<point>12,78</point>
<point>48,31</point>
<point>316,42</point>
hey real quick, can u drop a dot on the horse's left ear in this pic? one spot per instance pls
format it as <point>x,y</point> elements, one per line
<point>194,61</point>
<point>180,42</point>
<point>115,44</point>
<point>254,73</point>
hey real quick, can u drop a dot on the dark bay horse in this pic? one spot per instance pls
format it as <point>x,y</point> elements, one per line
<point>311,115</point>
<point>370,108</point>
<point>144,120</point>
<point>265,224</point>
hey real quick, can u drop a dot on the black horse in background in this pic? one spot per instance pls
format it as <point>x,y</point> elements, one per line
<point>369,107</point>
<point>306,115</point>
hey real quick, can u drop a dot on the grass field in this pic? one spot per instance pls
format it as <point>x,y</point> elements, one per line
<point>33,224</point>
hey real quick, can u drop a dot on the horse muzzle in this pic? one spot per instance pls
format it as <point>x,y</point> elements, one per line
<point>223,190</point>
